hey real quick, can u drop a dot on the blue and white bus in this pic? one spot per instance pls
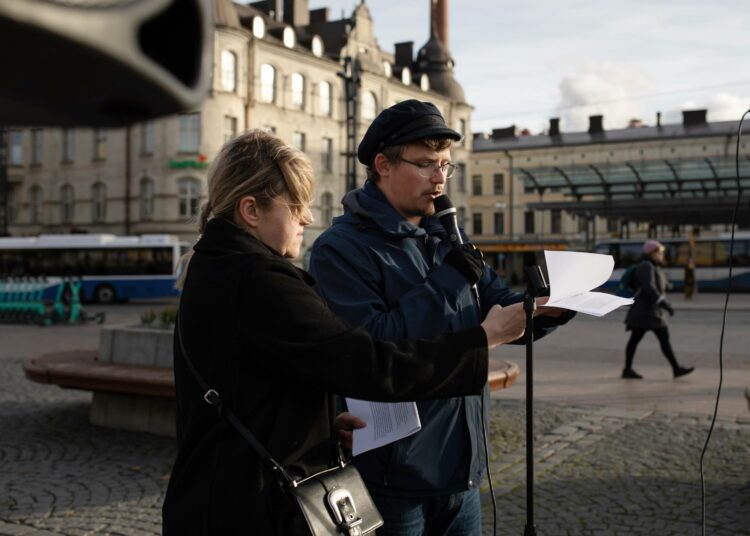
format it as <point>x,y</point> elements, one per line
<point>710,258</point>
<point>112,268</point>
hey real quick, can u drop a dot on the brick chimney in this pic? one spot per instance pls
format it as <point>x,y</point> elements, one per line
<point>596,124</point>
<point>693,117</point>
<point>439,22</point>
<point>554,126</point>
<point>507,132</point>
<point>297,12</point>
<point>404,54</point>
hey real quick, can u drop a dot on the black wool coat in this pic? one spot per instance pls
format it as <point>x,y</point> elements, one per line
<point>650,283</point>
<point>259,334</point>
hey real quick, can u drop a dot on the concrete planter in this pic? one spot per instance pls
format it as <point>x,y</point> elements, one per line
<point>137,346</point>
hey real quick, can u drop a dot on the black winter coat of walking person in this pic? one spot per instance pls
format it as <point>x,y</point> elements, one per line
<point>258,333</point>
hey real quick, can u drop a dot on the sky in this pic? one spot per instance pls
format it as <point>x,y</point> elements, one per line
<point>523,62</point>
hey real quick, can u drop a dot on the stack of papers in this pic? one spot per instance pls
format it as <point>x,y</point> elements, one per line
<point>386,423</point>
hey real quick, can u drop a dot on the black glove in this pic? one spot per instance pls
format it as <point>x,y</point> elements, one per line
<point>468,260</point>
<point>664,304</point>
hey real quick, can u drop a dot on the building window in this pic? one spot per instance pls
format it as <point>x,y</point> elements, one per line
<point>16,148</point>
<point>35,204</point>
<point>613,225</point>
<point>100,143</point>
<point>67,204</point>
<point>189,197</point>
<point>326,208</point>
<point>147,199</point>
<point>267,83</point>
<point>499,223</point>
<point>326,107</point>
<point>190,133</point>
<point>462,130</point>
<point>98,202</point>
<point>288,37</point>
<point>369,106</point>
<point>230,128</point>
<point>298,140</point>
<point>37,146</point>
<point>327,154</point>
<point>461,217</point>
<point>555,221</point>
<point>10,201</point>
<point>228,71</point>
<point>477,223</point>
<point>147,137</point>
<point>528,187</point>
<point>498,184</point>
<point>528,222</point>
<point>298,91</point>
<point>476,185</point>
<point>460,177</point>
<point>69,145</point>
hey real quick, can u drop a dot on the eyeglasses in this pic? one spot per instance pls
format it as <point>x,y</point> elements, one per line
<point>428,169</point>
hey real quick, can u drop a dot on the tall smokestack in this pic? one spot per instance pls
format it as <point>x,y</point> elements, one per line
<point>439,22</point>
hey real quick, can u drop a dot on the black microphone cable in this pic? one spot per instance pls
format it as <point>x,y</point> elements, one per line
<point>446,213</point>
<point>723,325</point>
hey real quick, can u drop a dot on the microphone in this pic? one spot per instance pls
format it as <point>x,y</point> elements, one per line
<point>446,213</point>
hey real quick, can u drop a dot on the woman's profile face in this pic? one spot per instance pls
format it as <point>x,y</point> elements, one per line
<point>281,226</point>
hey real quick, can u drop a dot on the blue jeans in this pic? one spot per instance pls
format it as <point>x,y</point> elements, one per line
<point>459,514</point>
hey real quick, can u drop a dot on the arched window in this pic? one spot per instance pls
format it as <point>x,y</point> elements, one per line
<point>98,202</point>
<point>267,83</point>
<point>326,107</point>
<point>67,204</point>
<point>35,204</point>
<point>326,209</point>
<point>189,197</point>
<point>298,91</point>
<point>147,198</point>
<point>369,106</point>
<point>228,70</point>
<point>288,37</point>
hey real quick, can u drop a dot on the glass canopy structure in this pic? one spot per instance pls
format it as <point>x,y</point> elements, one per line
<point>679,191</point>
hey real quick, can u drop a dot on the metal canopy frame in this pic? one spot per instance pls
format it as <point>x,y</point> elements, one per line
<point>677,191</point>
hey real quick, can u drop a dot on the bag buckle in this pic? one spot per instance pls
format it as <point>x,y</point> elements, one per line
<point>344,511</point>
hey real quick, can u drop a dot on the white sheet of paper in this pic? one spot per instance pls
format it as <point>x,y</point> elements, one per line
<point>572,275</point>
<point>386,423</point>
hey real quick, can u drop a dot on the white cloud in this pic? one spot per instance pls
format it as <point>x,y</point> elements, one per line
<point>606,89</point>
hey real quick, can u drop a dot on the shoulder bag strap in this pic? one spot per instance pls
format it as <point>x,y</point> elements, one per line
<point>211,396</point>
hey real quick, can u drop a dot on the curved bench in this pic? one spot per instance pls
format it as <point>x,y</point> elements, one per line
<point>141,398</point>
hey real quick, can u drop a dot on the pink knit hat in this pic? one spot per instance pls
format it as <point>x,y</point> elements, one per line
<point>652,245</point>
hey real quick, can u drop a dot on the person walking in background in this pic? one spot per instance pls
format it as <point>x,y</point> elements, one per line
<point>647,312</point>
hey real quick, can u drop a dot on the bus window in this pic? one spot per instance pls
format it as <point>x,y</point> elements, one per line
<point>629,254</point>
<point>740,255</point>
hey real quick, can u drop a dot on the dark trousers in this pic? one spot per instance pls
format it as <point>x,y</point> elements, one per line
<point>637,334</point>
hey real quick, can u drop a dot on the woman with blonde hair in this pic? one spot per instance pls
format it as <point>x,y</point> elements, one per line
<point>257,333</point>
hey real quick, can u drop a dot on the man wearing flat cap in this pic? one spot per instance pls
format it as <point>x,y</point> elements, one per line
<point>387,265</point>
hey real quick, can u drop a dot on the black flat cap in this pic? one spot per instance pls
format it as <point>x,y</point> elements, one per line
<point>409,120</point>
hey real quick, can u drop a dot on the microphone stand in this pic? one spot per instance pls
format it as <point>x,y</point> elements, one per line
<point>535,283</point>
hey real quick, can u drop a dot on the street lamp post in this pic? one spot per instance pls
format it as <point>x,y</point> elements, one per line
<point>350,75</point>
<point>4,208</point>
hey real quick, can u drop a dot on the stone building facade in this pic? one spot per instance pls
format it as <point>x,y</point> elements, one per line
<point>561,190</point>
<point>277,66</point>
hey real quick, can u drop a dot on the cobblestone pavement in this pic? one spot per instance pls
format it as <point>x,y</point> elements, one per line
<point>610,459</point>
<point>599,471</point>
<point>604,471</point>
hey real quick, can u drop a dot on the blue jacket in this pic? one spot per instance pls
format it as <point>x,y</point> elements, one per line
<point>379,271</point>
